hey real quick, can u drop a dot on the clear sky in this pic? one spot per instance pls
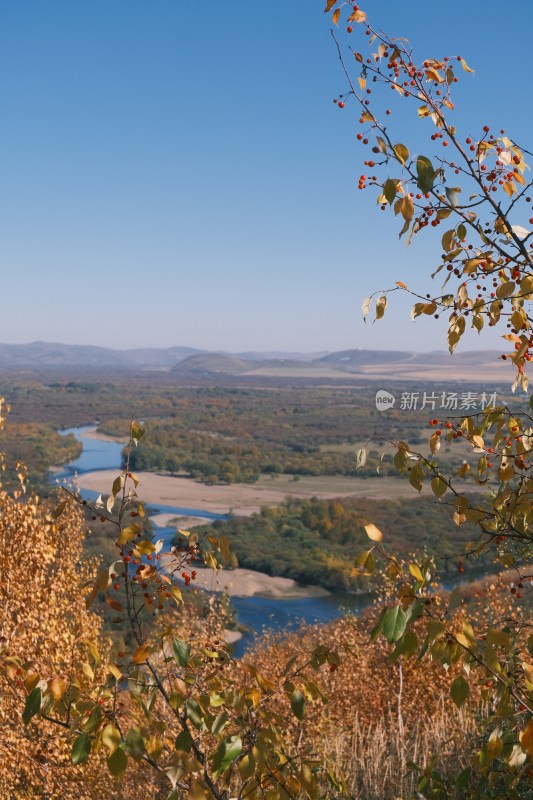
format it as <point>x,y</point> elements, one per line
<point>175,173</point>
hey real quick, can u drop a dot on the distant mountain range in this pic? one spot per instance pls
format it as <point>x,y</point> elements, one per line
<point>191,362</point>
<point>51,354</point>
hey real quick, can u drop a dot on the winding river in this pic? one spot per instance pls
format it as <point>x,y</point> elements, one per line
<point>257,613</point>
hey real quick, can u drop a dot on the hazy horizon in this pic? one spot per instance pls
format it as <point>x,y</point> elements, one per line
<point>288,350</point>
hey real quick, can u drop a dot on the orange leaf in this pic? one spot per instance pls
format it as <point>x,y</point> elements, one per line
<point>141,654</point>
<point>526,738</point>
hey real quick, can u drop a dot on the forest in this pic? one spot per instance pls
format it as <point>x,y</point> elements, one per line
<point>314,541</point>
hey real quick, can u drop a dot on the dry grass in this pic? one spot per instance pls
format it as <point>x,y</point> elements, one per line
<point>380,716</point>
<point>375,758</point>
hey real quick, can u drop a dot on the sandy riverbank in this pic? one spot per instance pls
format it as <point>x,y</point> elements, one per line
<point>92,433</point>
<point>245,498</point>
<point>174,521</point>
<point>248,583</point>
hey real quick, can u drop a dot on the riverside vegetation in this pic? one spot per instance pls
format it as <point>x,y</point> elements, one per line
<point>172,715</point>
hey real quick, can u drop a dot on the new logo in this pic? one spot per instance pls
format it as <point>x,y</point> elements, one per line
<point>384,400</point>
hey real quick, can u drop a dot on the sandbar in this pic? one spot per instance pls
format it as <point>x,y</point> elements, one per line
<point>245,499</point>
<point>249,583</point>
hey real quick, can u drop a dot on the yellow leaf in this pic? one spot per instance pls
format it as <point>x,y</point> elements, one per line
<point>115,672</point>
<point>128,533</point>
<point>401,284</point>
<point>176,594</point>
<point>357,16</point>
<point>407,208</point>
<point>528,669</point>
<point>414,569</point>
<point>509,187</point>
<point>494,745</point>
<point>111,737</point>
<point>58,688</point>
<point>381,305</point>
<point>466,67</point>
<point>87,670</point>
<point>335,16</point>
<point>373,533</point>
<point>434,443</point>
<point>133,478</point>
<point>145,547</point>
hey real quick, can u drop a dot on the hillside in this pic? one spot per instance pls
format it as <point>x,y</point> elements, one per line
<point>188,362</point>
<point>53,354</point>
<point>212,363</point>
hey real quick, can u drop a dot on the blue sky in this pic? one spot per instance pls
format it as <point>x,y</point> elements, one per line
<point>176,173</point>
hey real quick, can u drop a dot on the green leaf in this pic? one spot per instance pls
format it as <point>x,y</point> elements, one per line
<point>182,652</point>
<point>426,174</point>
<point>183,742</point>
<point>459,690</point>
<point>33,705</point>
<point>378,627</point>
<point>194,713</point>
<point>438,486</point>
<point>225,754</point>
<point>365,563</point>
<point>135,744</point>
<point>389,190</point>
<point>298,704</point>
<point>406,647</point>
<point>81,749</point>
<point>219,723</point>
<point>94,720</point>
<point>117,763</point>
<point>394,624</point>
<point>464,778</point>
<point>456,600</point>
<point>416,477</point>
